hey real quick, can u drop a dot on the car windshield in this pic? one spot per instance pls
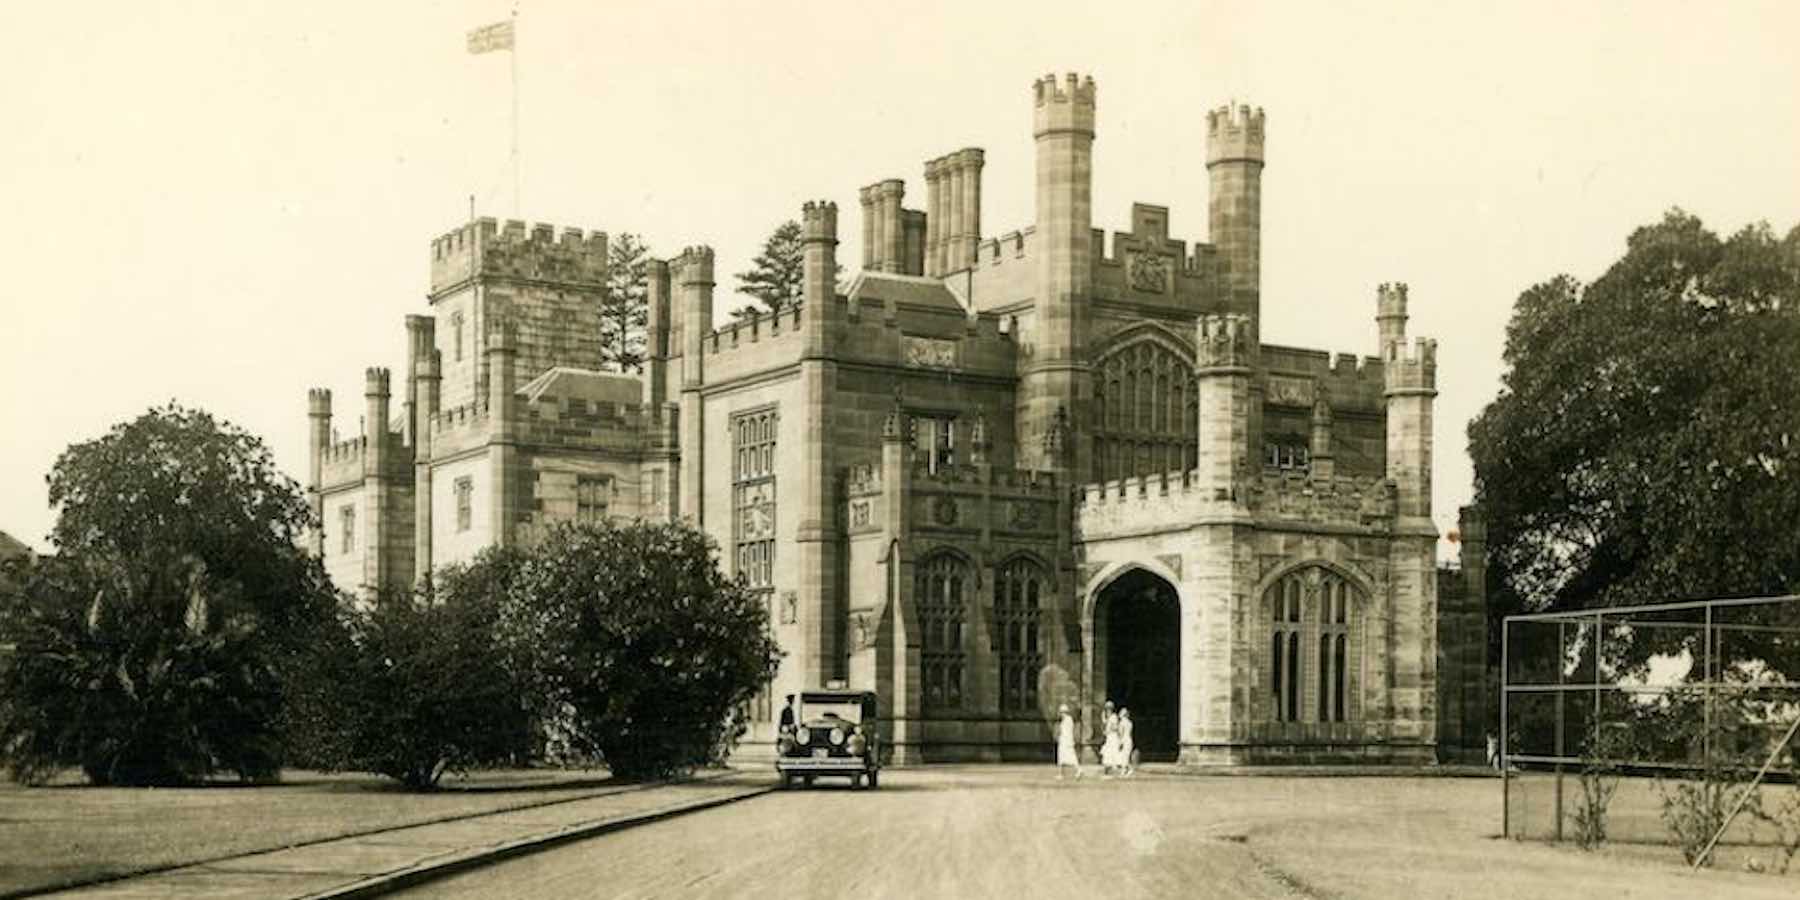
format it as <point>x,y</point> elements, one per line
<point>848,709</point>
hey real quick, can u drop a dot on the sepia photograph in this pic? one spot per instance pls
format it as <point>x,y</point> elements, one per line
<point>545,449</point>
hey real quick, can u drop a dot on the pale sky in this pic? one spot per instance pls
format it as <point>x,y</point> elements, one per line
<point>226,204</point>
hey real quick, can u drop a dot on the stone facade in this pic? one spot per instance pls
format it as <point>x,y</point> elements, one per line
<point>994,475</point>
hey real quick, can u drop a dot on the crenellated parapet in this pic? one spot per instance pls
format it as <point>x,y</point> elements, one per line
<point>694,266</point>
<point>459,428</point>
<point>1390,314</point>
<point>756,329</point>
<point>1224,342</point>
<point>517,251</point>
<point>1411,369</point>
<point>1064,106</point>
<point>1234,133</point>
<point>1142,504</point>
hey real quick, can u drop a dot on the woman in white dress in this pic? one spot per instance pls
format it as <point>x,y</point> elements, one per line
<point>1109,748</point>
<point>1065,743</point>
<point>1127,747</point>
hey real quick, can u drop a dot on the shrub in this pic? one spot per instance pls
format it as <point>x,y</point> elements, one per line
<point>143,676</point>
<point>414,687</point>
<point>633,635</point>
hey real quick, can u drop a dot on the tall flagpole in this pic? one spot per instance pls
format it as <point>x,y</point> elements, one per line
<point>513,53</point>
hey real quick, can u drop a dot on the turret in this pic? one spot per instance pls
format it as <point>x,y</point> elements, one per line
<point>502,427</point>
<point>1057,377</point>
<point>656,335</point>
<point>421,337</point>
<point>1225,355</point>
<point>1410,380</point>
<point>1234,163</point>
<point>426,376</point>
<point>375,419</point>
<point>818,291</point>
<point>318,416</point>
<point>1409,375</point>
<point>695,275</point>
<point>695,268</point>
<point>1390,315</point>
<point>1471,529</point>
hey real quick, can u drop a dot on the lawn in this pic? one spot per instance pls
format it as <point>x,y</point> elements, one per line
<point>70,833</point>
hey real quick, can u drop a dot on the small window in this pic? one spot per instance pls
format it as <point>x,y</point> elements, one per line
<point>592,494</point>
<point>347,524</point>
<point>456,325</point>
<point>935,439</point>
<point>465,502</point>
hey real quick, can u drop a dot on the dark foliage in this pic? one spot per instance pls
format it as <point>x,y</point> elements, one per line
<point>417,686</point>
<point>637,643</point>
<point>152,648</point>
<point>1645,446</point>
<point>145,676</point>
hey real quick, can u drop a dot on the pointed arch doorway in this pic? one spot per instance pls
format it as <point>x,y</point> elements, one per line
<point>1137,631</point>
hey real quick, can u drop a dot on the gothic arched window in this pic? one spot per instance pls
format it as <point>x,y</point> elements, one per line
<point>1020,593</point>
<point>1145,417</point>
<point>1312,646</point>
<point>942,613</point>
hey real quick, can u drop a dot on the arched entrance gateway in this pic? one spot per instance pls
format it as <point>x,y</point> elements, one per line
<point>1137,659</point>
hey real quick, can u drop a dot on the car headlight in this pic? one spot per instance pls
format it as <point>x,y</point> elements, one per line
<point>802,735</point>
<point>857,744</point>
<point>837,735</point>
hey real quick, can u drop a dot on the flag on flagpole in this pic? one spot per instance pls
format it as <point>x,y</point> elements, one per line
<point>488,38</point>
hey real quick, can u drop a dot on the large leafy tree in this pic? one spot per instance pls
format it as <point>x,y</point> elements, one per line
<point>153,648</point>
<point>1645,445</point>
<point>637,644</point>
<point>775,276</point>
<point>625,311</point>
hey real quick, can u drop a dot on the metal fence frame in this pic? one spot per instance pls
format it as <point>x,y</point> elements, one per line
<point>1708,685</point>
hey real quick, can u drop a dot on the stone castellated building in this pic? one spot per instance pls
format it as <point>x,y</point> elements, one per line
<point>999,474</point>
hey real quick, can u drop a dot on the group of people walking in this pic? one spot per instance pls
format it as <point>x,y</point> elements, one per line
<point>1118,753</point>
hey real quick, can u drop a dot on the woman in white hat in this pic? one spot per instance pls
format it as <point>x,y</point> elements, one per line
<point>1065,743</point>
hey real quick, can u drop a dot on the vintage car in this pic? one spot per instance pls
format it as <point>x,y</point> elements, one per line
<point>832,732</point>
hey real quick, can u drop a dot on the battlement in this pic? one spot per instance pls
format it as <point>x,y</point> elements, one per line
<point>1140,504</point>
<point>459,418</point>
<point>318,402</point>
<point>375,382</point>
<point>753,329</point>
<point>345,451</point>
<point>1234,133</point>
<point>818,221</point>
<point>1224,341</point>
<point>1390,300</point>
<point>997,250</point>
<point>695,265</point>
<point>533,252</point>
<point>1411,369</point>
<point>1065,107</point>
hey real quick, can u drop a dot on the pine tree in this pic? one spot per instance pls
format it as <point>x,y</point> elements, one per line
<point>625,311</point>
<point>775,275</point>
